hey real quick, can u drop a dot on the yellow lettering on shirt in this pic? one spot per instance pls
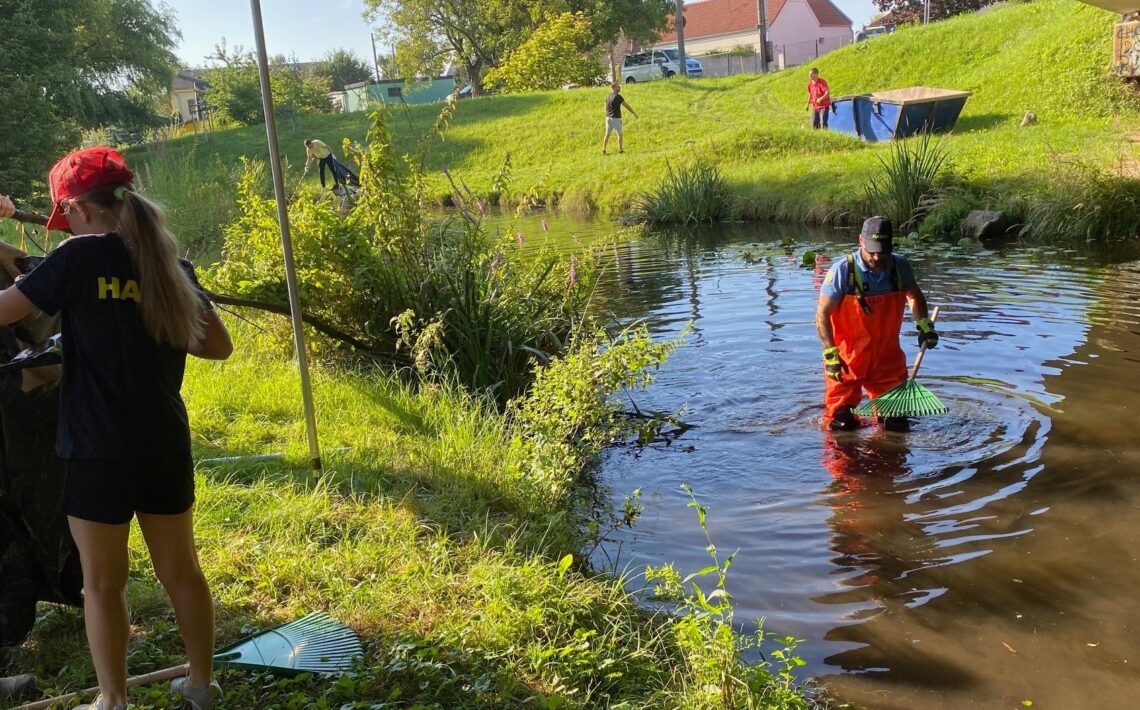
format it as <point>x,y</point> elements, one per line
<point>111,289</point>
<point>131,291</point>
<point>108,289</point>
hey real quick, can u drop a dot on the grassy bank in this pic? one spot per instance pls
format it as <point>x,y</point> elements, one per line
<point>433,536</point>
<point>1049,57</point>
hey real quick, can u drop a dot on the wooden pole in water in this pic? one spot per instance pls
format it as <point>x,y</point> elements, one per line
<point>286,240</point>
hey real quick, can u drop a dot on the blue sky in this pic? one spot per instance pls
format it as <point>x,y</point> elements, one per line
<point>310,28</point>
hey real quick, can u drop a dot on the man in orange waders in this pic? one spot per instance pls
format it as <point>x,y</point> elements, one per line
<point>859,316</point>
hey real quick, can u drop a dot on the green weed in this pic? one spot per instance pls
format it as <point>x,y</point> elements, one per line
<point>906,178</point>
<point>693,194</point>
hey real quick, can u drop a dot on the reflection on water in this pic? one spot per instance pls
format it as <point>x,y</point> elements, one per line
<point>987,558</point>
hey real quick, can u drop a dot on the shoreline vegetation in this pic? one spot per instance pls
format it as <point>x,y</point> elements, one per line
<point>455,521</point>
<point>454,525</point>
<point>1071,175</point>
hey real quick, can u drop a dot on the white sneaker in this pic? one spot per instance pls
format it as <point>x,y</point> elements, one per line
<point>97,704</point>
<point>200,698</point>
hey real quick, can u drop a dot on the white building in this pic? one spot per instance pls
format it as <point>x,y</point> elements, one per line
<point>798,30</point>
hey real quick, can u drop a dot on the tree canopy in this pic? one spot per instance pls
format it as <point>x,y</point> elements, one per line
<point>71,65</point>
<point>343,67</point>
<point>561,51</point>
<point>903,11</point>
<point>478,35</point>
<point>234,87</point>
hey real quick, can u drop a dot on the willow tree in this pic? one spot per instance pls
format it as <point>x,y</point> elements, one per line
<point>71,65</point>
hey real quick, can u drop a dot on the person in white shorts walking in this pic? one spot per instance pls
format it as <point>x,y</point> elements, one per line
<point>614,102</point>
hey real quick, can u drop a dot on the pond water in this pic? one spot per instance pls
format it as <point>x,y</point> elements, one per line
<point>987,558</point>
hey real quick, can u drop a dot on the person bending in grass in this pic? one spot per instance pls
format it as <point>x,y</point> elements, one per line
<point>319,151</point>
<point>132,311</point>
<point>860,312</point>
<point>614,102</point>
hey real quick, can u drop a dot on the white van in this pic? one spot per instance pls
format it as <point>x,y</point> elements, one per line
<point>658,64</point>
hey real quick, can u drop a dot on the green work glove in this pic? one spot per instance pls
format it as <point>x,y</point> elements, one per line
<point>926,334</point>
<point>833,365</point>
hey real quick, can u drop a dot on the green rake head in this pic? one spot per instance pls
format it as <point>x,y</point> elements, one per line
<point>910,399</point>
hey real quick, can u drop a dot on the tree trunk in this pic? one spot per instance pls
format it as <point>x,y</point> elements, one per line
<point>475,76</point>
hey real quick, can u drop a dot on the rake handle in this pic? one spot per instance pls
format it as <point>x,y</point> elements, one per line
<point>145,679</point>
<point>30,217</point>
<point>922,350</point>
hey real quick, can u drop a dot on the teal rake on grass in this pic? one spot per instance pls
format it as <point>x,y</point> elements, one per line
<point>910,399</point>
<point>316,643</point>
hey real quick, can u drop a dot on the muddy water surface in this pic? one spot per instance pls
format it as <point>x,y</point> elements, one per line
<point>987,558</point>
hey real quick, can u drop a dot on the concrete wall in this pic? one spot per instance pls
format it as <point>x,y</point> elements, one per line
<point>703,45</point>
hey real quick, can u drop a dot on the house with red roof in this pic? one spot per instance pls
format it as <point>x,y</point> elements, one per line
<point>798,30</point>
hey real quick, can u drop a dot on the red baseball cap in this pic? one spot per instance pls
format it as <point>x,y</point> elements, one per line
<point>80,173</point>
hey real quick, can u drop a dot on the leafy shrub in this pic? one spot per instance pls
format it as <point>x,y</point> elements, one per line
<point>694,194</point>
<point>561,51</point>
<point>443,296</point>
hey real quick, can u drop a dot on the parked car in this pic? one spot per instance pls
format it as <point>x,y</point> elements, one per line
<point>870,32</point>
<point>658,64</point>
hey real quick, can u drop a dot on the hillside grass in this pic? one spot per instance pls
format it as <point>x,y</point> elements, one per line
<point>1049,57</point>
<point>427,534</point>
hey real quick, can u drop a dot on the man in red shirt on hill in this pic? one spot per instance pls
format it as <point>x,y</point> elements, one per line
<point>819,100</point>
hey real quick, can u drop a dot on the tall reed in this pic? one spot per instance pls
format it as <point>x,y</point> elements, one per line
<point>695,193</point>
<point>908,174</point>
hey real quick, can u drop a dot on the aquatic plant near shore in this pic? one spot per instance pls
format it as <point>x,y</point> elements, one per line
<point>705,633</point>
<point>907,176</point>
<point>696,193</point>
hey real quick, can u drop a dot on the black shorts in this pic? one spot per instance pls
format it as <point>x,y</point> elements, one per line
<point>112,490</point>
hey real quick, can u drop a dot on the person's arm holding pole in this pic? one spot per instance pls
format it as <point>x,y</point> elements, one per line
<point>916,299</point>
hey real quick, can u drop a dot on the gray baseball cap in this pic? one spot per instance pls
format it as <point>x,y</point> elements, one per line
<point>878,235</point>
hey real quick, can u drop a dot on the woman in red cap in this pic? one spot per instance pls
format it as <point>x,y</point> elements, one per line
<point>131,311</point>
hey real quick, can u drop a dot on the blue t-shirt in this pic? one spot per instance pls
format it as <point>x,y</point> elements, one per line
<point>874,282</point>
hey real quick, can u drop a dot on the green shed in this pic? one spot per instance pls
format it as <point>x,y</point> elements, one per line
<point>393,91</point>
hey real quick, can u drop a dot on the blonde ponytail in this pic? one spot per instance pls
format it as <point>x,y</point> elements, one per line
<point>170,307</point>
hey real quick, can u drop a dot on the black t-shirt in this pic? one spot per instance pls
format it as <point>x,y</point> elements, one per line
<point>613,105</point>
<point>120,395</point>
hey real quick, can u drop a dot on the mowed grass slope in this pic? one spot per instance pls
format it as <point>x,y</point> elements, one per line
<point>1050,57</point>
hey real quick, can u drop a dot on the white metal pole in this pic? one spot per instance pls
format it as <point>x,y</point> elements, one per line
<point>926,12</point>
<point>286,241</point>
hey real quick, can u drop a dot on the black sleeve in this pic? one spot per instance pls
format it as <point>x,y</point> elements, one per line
<point>189,269</point>
<point>49,286</point>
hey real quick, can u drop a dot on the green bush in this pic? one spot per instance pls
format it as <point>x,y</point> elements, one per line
<point>443,296</point>
<point>694,194</point>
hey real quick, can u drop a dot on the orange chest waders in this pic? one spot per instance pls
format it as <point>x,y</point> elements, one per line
<point>866,330</point>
